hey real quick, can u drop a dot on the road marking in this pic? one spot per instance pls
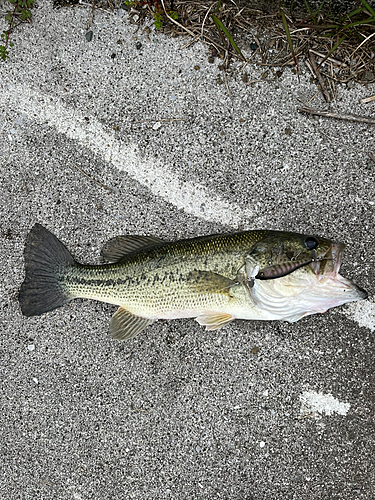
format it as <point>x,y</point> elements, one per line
<point>156,176</point>
<point>159,178</point>
<point>362,312</point>
<point>315,404</point>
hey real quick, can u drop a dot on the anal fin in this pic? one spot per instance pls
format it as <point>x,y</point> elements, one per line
<point>125,325</point>
<point>214,320</point>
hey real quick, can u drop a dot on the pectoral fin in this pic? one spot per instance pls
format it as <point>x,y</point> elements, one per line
<point>214,320</point>
<point>207,282</point>
<point>125,325</point>
<point>116,248</point>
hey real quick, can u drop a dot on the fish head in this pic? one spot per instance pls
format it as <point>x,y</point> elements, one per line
<point>279,254</point>
<point>306,284</point>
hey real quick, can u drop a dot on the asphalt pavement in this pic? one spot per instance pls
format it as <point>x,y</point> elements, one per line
<point>136,133</point>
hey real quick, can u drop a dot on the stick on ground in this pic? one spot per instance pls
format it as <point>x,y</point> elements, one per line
<point>368,99</point>
<point>338,116</point>
<point>327,97</point>
<point>96,182</point>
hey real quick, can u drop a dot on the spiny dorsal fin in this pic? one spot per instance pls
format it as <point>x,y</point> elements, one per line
<point>125,325</point>
<point>116,248</point>
<point>208,282</point>
<point>214,320</point>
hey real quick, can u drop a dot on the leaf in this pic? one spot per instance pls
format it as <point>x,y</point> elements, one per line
<point>310,12</point>
<point>320,8</point>
<point>333,49</point>
<point>289,38</point>
<point>218,6</point>
<point>370,9</point>
<point>220,26</point>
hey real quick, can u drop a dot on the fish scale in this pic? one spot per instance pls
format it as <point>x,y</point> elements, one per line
<point>166,284</point>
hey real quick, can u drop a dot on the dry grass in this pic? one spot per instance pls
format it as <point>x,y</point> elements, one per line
<point>344,43</point>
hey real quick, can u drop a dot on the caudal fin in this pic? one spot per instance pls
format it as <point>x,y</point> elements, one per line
<point>46,258</point>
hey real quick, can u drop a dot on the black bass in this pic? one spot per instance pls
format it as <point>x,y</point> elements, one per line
<point>262,275</point>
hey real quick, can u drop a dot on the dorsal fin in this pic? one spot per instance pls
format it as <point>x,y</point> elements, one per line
<point>116,248</point>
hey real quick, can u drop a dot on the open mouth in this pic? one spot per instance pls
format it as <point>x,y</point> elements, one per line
<point>328,264</point>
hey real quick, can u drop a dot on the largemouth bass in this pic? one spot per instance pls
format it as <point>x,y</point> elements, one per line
<point>262,275</point>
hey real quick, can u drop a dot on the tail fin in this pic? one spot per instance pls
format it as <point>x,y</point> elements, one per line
<point>45,260</point>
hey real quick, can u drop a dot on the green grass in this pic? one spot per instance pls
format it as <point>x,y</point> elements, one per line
<point>20,13</point>
<point>350,26</point>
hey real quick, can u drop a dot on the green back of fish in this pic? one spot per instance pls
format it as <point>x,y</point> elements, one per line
<point>182,275</point>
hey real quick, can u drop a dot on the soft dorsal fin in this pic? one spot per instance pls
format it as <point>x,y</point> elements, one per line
<point>116,248</point>
<point>214,320</point>
<point>125,325</point>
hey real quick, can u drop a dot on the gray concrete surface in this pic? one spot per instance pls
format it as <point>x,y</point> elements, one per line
<point>255,411</point>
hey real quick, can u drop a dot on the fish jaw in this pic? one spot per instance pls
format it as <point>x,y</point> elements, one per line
<point>328,264</point>
<point>290,299</point>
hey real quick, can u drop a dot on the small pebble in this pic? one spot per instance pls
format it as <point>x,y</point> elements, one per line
<point>138,45</point>
<point>262,444</point>
<point>253,46</point>
<point>89,36</point>
<point>156,126</point>
<point>196,67</point>
<point>31,347</point>
<point>35,380</point>
<point>113,56</point>
<point>211,59</point>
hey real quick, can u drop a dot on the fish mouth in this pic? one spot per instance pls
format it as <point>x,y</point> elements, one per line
<point>328,266</point>
<point>337,250</point>
<point>328,263</point>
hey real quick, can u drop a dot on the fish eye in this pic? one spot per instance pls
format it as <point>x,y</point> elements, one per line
<point>311,243</point>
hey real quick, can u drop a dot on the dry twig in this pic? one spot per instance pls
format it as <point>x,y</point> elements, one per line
<point>338,116</point>
<point>91,16</point>
<point>96,182</point>
<point>368,99</point>
<point>319,76</point>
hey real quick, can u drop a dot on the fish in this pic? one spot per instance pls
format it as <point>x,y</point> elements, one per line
<point>250,275</point>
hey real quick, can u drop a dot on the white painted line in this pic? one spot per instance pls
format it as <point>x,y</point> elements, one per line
<point>159,178</point>
<point>156,176</point>
<point>316,403</point>
<point>362,312</point>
